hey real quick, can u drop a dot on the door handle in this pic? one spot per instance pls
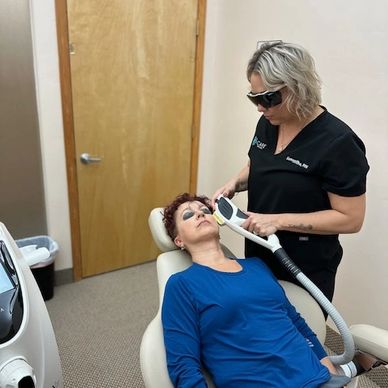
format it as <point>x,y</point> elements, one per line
<point>87,159</point>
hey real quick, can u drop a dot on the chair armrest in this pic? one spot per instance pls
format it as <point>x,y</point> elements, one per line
<point>153,357</point>
<point>371,339</point>
<point>153,362</point>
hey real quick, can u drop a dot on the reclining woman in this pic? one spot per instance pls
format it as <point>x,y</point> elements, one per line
<point>231,316</point>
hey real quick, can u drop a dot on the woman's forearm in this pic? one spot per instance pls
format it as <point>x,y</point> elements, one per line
<point>346,216</point>
<point>236,184</point>
<point>321,222</point>
<point>242,179</point>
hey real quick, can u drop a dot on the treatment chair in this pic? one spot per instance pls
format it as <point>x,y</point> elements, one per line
<point>171,260</point>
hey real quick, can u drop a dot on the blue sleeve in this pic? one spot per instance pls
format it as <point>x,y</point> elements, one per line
<point>181,335</point>
<point>305,330</point>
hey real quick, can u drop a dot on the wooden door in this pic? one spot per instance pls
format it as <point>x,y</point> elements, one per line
<point>132,75</point>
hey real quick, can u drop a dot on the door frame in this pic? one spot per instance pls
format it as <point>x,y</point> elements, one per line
<point>68,120</point>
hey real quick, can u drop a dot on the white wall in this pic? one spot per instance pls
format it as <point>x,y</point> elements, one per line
<point>348,40</point>
<point>51,129</point>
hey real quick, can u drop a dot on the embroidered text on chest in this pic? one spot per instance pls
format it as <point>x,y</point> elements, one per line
<point>297,162</point>
<point>259,144</point>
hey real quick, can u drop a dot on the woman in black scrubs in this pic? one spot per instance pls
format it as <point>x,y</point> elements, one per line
<point>306,174</point>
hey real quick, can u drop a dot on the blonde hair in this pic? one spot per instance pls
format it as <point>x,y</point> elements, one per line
<point>286,64</point>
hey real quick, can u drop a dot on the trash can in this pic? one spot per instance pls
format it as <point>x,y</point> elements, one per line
<point>43,270</point>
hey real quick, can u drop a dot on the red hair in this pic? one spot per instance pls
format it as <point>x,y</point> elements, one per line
<point>169,210</point>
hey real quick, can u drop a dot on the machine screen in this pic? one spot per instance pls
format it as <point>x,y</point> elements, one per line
<point>5,281</point>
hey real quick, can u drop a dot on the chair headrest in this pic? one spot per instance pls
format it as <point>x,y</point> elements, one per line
<point>159,232</point>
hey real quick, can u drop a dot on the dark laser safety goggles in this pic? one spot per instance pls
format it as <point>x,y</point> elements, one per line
<point>266,99</point>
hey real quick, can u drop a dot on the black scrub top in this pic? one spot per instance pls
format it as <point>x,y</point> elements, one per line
<point>326,156</point>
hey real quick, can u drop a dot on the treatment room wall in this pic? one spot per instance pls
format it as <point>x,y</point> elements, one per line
<point>51,129</point>
<point>348,40</point>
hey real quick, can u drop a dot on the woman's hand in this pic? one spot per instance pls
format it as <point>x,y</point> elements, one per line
<point>261,224</point>
<point>228,190</point>
<point>329,365</point>
<point>236,184</point>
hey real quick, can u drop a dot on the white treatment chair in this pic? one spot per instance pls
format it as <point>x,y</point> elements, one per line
<point>152,352</point>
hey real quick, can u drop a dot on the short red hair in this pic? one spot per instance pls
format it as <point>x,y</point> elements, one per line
<point>169,210</point>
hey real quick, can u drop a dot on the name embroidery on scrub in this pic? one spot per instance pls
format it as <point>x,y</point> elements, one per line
<point>259,144</point>
<point>297,162</point>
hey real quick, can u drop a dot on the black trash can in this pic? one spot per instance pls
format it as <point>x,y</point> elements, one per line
<point>43,272</point>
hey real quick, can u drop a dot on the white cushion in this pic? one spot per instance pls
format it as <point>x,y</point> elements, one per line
<point>153,361</point>
<point>371,339</point>
<point>159,232</point>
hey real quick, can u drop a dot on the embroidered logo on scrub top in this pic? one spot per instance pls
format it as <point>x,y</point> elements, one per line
<point>297,162</point>
<point>259,144</point>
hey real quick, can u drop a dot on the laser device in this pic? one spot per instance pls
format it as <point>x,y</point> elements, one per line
<point>29,355</point>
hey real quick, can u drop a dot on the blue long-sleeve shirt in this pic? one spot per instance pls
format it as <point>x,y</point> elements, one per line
<point>241,327</point>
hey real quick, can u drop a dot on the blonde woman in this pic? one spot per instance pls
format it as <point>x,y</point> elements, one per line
<point>306,174</point>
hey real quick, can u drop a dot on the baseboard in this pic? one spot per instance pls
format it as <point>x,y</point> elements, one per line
<point>63,276</point>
